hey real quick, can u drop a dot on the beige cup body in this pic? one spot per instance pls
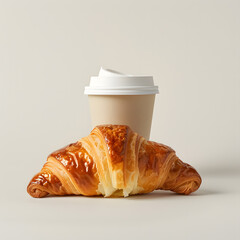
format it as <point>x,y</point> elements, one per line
<point>133,110</point>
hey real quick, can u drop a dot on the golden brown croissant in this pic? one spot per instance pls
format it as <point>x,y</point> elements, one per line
<point>113,161</point>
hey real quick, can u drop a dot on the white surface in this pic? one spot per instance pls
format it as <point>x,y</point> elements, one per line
<point>48,51</point>
<point>213,212</point>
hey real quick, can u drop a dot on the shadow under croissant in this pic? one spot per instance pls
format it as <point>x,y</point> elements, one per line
<point>157,194</point>
<point>166,194</point>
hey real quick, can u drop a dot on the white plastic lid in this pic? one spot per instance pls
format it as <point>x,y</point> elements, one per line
<point>110,82</point>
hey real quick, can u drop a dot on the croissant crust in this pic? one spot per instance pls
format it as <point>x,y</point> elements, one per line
<point>113,161</point>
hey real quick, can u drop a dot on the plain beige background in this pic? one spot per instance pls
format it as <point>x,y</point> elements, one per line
<point>48,51</point>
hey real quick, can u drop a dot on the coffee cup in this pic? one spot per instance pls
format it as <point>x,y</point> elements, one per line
<point>116,98</point>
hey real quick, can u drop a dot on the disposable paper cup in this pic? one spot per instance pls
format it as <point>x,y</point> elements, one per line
<point>122,99</point>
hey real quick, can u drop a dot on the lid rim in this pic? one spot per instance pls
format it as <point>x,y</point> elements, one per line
<point>122,87</point>
<point>123,76</point>
<point>119,92</point>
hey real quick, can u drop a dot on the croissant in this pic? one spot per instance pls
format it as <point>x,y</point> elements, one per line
<point>113,161</point>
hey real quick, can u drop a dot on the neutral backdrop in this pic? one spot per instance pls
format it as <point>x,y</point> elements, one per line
<point>48,51</point>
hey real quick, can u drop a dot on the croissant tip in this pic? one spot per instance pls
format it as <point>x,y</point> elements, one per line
<point>194,186</point>
<point>35,192</point>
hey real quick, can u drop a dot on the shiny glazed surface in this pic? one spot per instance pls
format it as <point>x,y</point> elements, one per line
<point>113,161</point>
